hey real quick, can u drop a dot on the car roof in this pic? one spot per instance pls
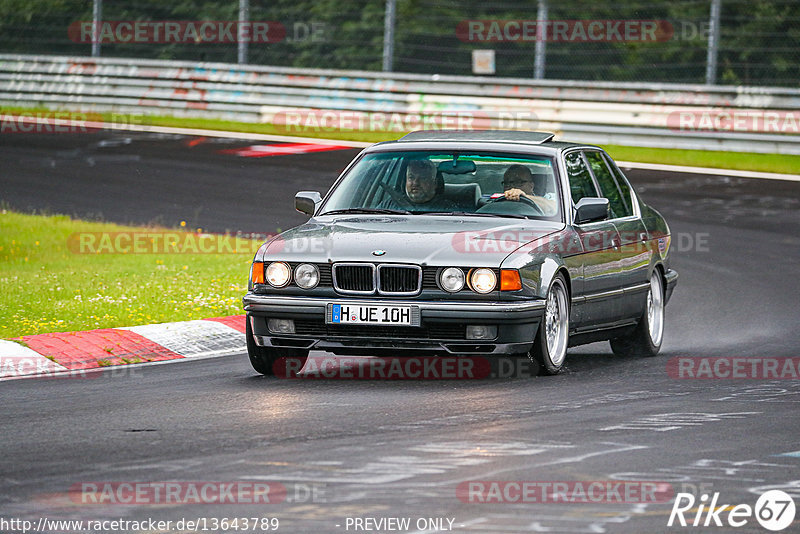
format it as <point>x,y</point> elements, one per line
<point>529,142</point>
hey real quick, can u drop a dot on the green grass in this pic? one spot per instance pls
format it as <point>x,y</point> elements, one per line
<point>45,286</point>
<point>747,161</point>
<point>744,161</point>
<point>228,126</point>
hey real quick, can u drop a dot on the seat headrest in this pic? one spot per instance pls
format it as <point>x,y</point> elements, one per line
<point>465,195</point>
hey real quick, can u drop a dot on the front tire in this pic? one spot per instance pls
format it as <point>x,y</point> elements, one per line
<point>645,340</point>
<point>263,358</point>
<point>550,346</point>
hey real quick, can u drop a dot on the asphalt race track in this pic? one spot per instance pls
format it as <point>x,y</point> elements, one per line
<point>348,449</point>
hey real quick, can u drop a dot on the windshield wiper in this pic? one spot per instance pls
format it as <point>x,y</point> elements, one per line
<point>366,210</point>
<point>471,214</point>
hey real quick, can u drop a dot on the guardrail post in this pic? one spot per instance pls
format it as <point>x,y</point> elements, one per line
<point>97,14</point>
<point>541,40</point>
<point>244,16</point>
<point>713,42</point>
<point>388,36</point>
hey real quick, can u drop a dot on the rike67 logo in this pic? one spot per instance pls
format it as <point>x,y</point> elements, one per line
<point>774,510</point>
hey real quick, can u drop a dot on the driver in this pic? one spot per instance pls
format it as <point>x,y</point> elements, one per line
<point>424,188</point>
<point>518,182</point>
<point>420,181</point>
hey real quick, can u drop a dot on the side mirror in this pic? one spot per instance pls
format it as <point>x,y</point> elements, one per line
<point>590,209</point>
<point>306,202</point>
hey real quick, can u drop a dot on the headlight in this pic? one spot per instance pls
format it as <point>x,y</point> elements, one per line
<point>278,274</point>
<point>306,276</point>
<point>483,280</point>
<point>452,279</point>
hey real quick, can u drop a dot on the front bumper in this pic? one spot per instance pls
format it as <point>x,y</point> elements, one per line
<point>517,323</point>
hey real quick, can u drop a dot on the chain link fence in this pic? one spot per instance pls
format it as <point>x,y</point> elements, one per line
<point>758,43</point>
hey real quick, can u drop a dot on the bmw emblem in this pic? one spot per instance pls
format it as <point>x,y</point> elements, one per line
<point>378,252</point>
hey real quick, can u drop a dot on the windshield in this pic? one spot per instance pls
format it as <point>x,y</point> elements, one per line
<point>420,183</point>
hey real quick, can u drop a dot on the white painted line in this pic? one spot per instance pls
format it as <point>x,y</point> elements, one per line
<point>708,170</point>
<point>358,144</point>
<point>18,360</point>
<point>193,338</point>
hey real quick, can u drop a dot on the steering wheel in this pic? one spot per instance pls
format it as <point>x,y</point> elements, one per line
<point>522,198</point>
<point>401,200</point>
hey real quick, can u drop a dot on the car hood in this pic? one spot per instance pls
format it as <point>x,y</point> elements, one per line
<point>420,239</point>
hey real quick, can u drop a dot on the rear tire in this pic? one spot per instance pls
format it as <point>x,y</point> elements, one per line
<point>645,340</point>
<point>263,358</point>
<point>552,339</point>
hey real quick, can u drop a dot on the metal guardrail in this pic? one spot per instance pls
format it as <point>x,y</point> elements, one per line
<point>636,114</point>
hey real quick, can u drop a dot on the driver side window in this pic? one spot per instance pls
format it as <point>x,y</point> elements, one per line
<point>580,180</point>
<point>385,177</point>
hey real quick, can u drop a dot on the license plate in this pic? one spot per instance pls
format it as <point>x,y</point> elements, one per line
<point>370,314</point>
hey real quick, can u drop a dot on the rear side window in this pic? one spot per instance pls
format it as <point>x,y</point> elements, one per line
<point>580,181</point>
<point>608,186</point>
